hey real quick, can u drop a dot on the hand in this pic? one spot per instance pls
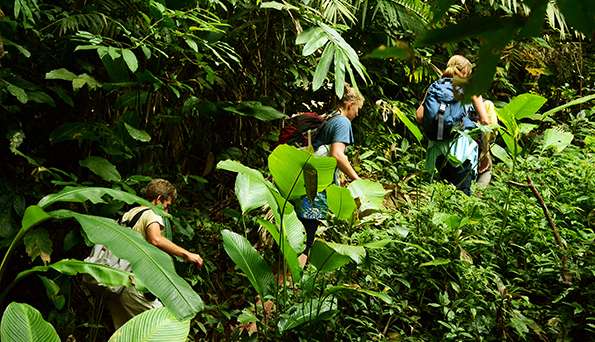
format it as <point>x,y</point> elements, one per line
<point>194,258</point>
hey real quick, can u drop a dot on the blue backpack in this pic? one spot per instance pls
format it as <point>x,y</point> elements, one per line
<point>442,111</point>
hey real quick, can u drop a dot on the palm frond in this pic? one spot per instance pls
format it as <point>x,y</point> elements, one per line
<point>92,22</point>
<point>337,10</point>
<point>413,15</point>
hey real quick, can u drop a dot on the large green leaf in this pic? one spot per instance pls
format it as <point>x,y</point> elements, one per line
<point>137,134</point>
<point>155,325</point>
<point>316,41</point>
<point>345,288</point>
<point>286,163</point>
<point>256,110</point>
<point>370,194</point>
<point>326,259</point>
<point>500,153</point>
<point>23,323</point>
<point>413,128</point>
<point>524,105</point>
<point>340,65</point>
<point>152,266</point>
<point>102,167</point>
<point>253,191</point>
<point>103,274</point>
<point>249,261</point>
<point>557,139</point>
<point>60,74</point>
<point>95,195</point>
<point>33,216</point>
<point>323,67</point>
<point>340,202</point>
<point>130,59</point>
<point>52,290</point>
<point>310,310</point>
<point>289,254</point>
<point>574,102</point>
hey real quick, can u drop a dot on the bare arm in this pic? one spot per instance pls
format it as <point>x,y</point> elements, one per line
<point>155,238</point>
<point>419,114</point>
<point>338,152</point>
<point>481,109</point>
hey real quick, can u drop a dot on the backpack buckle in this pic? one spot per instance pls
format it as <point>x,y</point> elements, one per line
<point>442,108</point>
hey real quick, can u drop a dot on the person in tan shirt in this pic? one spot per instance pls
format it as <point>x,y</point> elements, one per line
<point>130,302</point>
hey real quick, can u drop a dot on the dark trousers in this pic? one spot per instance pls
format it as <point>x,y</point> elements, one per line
<point>311,226</point>
<point>461,176</point>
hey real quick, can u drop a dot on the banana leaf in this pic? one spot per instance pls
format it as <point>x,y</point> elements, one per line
<point>152,266</point>
<point>154,325</point>
<point>23,323</point>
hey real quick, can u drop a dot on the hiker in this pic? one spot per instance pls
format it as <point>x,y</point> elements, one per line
<point>130,302</point>
<point>332,139</point>
<point>462,147</point>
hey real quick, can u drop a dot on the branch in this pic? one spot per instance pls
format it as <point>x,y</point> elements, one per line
<point>566,277</point>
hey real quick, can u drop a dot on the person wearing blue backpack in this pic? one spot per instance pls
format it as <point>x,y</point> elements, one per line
<point>332,139</point>
<point>443,113</point>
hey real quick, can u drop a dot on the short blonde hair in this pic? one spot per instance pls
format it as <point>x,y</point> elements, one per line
<point>351,95</point>
<point>160,187</point>
<point>458,66</point>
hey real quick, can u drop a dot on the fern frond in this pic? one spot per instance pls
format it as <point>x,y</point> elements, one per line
<point>92,22</point>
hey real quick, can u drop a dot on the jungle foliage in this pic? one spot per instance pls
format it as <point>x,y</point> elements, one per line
<point>98,97</point>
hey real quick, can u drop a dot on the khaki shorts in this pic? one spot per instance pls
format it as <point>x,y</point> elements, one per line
<point>129,303</point>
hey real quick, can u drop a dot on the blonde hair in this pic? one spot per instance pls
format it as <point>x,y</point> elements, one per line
<point>160,187</point>
<point>351,95</point>
<point>458,66</point>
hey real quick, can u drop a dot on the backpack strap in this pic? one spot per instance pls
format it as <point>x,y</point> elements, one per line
<point>134,219</point>
<point>440,118</point>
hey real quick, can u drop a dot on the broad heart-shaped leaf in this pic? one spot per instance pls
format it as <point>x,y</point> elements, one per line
<point>103,274</point>
<point>370,194</point>
<point>249,261</point>
<point>102,167</point>
<point>340,202</point>
<point>557,139</point>
<point>38,244</point>
<point>153,325</point>
<point>137,134</point>
<point>288,252</point>
<point>286,163</point>
<point>524,105</point>
<point>251,189</point>
<point>95,195</point>
<point>326,259</point>
<point>23,323</point>
<point>152,266</point>
<point>310,310</point>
